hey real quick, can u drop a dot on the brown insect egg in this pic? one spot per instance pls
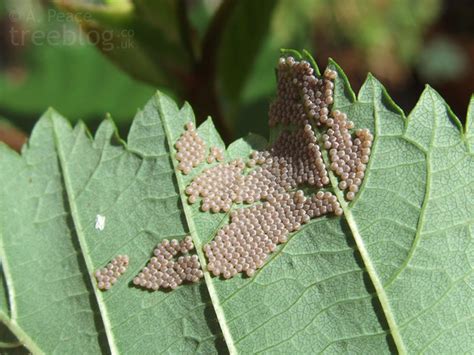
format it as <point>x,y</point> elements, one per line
<point>348,156</point>
<point>108,276</point>
<point>254,232</point>
<point>272,177</point>
<point>191,149</point>
<point>166,270</point>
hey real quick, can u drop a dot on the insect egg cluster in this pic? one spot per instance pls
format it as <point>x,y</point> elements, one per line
<point>218,186</point>
<point>301,96</point>
<point>191,149</point>
<point>254,232</point>
<point>165,270</point>
<point>348,156</point>
<point>215,154</point>
<point>304,98</point>
<point>294,159</point>
<point>271,177</point>
<point>107,277</point>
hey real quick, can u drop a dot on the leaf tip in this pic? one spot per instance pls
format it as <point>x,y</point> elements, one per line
<point>290,52</point>
<point>164,100</point>
<point>307,55</point>
<point>370,83</point>
<point>373,90</point>
<point>108,132</point>
<point>431,96</point>
<point>55,117</point>
<point>81,128</point>
<point>371,78</point>
<point>347,95</point>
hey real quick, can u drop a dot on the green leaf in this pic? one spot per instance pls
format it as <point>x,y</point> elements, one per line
<point>7,339</point>
<point>134,38</point>
<point>65,181</point>
<point>412,218</point>
<point>160,14</point>
<point>60,68</point>
<point>242,39</point>
<point>395,273</point>
<point>470,124</point>
<point>95,82</point>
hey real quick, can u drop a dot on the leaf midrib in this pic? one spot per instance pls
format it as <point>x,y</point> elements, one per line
<point>370,268</point>
<point>23,338</point>
<point>198,247</point>
<point>378,285</point>
<point>81,237</point>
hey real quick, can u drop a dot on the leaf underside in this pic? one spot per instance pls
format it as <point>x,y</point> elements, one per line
<point>394,274</point>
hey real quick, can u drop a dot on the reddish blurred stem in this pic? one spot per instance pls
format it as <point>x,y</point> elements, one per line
<point>12,136</point>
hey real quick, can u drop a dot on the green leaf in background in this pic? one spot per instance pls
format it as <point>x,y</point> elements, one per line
<point>214,54</point>
<point>395,273</point>
<point>188,48</point>
<point>242,40</point>
<point>11,135</point>
<point>55,65</point>
<point>76,80</point>
<point>160,14</point>
<point>130,35</point>
<point>442,60</point>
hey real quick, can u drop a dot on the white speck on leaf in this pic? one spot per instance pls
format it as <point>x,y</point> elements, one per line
<point>100,222</point>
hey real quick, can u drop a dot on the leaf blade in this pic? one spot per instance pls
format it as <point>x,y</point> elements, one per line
<point>24,304</point>
<point>365,282</point>
<point>410,144</point>
<point>133,178</point>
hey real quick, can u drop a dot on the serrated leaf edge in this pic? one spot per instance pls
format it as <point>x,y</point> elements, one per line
<point>465,134</point>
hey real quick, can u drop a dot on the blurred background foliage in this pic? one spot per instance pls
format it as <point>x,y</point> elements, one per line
<point>89,57</point>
